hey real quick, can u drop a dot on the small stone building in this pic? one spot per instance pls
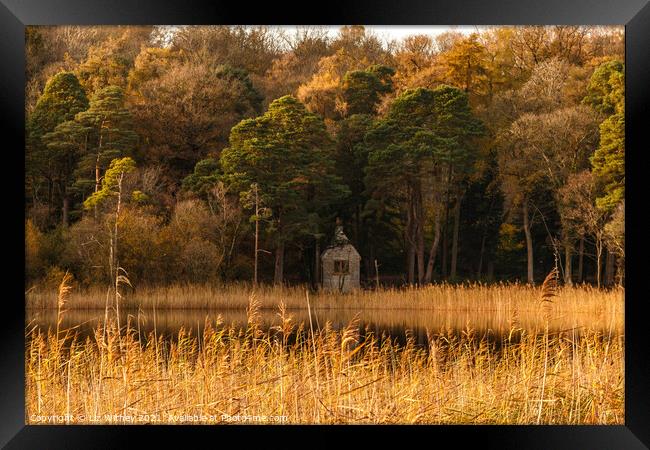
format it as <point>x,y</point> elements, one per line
<point>340,264</point>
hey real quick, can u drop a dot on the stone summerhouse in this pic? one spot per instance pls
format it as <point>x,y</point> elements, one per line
<point>341,265</point>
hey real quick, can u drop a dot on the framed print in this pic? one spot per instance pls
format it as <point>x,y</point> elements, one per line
<point>405,217</point>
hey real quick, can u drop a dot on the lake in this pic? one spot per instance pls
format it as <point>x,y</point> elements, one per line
<point>397,324</point>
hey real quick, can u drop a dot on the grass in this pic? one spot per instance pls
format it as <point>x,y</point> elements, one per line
<point>322,375</point>
<point>504,298</point>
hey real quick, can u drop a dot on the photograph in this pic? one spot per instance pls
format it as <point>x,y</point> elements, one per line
<point>324,224</point>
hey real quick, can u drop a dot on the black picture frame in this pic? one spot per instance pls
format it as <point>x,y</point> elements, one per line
<point>634,14</point>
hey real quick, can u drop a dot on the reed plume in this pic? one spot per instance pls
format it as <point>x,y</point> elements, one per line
<point>64,291</point>
<point>549,291</point>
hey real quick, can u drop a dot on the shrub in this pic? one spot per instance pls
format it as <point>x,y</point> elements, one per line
<point>34,267</point>
<point>201,260</point>
<point>87,251</point>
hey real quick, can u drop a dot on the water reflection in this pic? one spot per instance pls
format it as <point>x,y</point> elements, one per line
<point>397,324</point>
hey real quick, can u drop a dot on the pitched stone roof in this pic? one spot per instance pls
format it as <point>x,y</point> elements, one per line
<point>340,243</point>
<point>339,237</point>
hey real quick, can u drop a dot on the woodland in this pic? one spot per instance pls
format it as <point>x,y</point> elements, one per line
<point>218,154</point>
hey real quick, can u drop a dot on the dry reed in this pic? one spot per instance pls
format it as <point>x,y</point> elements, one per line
<point>324,376</point>
<point>502,298</point>
<point>300,372</point>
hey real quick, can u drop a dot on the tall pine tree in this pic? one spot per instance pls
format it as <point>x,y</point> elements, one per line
<point>287,154</point>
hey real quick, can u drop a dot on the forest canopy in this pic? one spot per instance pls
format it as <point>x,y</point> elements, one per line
<point>491,155</point>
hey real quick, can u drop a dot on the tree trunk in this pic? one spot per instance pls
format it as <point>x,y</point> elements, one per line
<point>317,265</point>
<point>410,239</point>
<point>257,233</point>
<point>419,233</point>
<point>65,208</point>
<point>50,197</point>
<point>609,268</point>
<point>599,255</point>
<point>581,254</point>
<point>567,265</point>
<point>420,257</point>
<point>377,274</point>
<point>454,242</point>
<point>357,225</point>
<point>433,251</point>
<point>620,271</point>
<point>96,181</point>
<point>279,263</point>
<point>97,160</point>
<point>480,259</point>
<point>371,257</point>
<point>411,264</point>
<point>529,243</point>
<point>97,177</point>
<point>443,262</point>
<point>445,241</point>
<point>116,263</point>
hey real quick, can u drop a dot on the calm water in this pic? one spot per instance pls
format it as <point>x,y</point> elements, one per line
<point>398,324</point>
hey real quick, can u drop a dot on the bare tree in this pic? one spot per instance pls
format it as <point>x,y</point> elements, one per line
<point>578,199</point>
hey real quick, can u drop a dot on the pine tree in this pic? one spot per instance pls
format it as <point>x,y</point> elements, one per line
<point>61,100</point>
<point>110,135</point>
<point>422,149</point>
<point>606,93</point>
<point>66,144</point>
<point>287,154</point>
<point>362,89</point>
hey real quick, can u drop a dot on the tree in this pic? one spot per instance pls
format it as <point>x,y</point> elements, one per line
<point>519,178</point>
<point>206,175</point>
<point>362,89</point>
<point>530,46</point>
<point>62,99</point>
<point>413,154</point>
<point>605,89</point>
<point>455,122</point>
<point>251,200</point>
<point>353,50</point>
<point>570,138</point>
<point>615,238</point>
<point>150,64</point>
<point>229,222</point>
<point>287,154</point>
<point>557,145</point>
<point>543,142</point>
<point>111,192</point>
<point>294,68</point>
<point>108,62</point>
<point>415,59</point>
<point>249,48</point>
<point>110,135</point>
<point>466,63</point>
<point>351,155</point>
<point>402,149</point>
<point>544,91</point>
<point>607,95</point>
<point>579,204</point>
<point>501,73</point>
<point>185,114</point>
<point>66,145</point>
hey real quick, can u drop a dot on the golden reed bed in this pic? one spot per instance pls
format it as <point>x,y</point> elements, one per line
<point>474,297</point>
<point>252,374</point>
